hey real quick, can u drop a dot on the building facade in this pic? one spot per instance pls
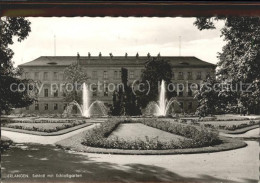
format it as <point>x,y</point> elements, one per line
<point>49,70</point>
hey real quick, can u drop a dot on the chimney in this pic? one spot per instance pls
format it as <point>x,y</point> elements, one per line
<point>148,55</point>
<point>78,57</point>
<point>89,55</point>
<point>111,55</point>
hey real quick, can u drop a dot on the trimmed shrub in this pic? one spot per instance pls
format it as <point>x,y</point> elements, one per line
<point>5,143</point>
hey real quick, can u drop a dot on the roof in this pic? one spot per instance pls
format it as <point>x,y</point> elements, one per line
<point>51,60</point>
<point>175,61</point>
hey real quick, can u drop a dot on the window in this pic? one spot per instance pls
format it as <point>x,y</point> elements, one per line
<point>198,87</point>
<point>172,89</point>
<point>27,75</point>
<point>36,105</point>
<point>46,92</point>
<point>208,74</point>
<point>105,75</point>
<point>55,76</point>
<point>46,106</point>
<point>36,75</point>
<point>199,75</point>
<point>180,75</point>
<point>55,106</point>
<point>94,74</point>
<point>65,106</point>
<point>181,105</point>
<point>190,105</point>
<point>94,92</point>
<point>106,91</point>
<point>189,91</point>
<point>115,75</point>
<point>180,90</point>
<point>189,75</point>
<point>55,94</point>
<point>45,75</point>
<point>131,75</point>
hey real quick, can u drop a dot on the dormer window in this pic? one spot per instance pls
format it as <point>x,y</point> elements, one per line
<point>52,63</point>
<point>184,63</point>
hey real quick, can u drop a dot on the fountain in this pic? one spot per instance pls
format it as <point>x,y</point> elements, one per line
<point>86,109</point>
<point>161,108</point>
<point>85,106</point>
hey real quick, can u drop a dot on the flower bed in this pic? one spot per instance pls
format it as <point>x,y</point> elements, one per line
<point>210,119</point>
<point>233,127</point>
<point>39,120</point>
<point>43,128</point>
<point>195,136</point>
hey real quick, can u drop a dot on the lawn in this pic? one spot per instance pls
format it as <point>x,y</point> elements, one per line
<point>133,131</point>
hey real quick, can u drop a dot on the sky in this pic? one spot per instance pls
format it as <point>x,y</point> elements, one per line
<point>167,36</point>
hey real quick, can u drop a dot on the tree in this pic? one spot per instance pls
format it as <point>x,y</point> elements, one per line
<point>117,109</point>
<point>155,71</point>
<point>75,77</point>
<point>209,100</point>
<point>124,100</point>
<point>11,97</point>
<point>239,61</point>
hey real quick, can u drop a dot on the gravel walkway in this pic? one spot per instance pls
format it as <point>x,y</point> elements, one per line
<point>233,166</point>
<point>28,138</point>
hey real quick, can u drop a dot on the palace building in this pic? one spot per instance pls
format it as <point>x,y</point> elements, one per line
<point>49,70</point>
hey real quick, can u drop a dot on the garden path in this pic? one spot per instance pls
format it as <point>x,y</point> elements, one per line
<point>233,166</point>
<point>28,138</point>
